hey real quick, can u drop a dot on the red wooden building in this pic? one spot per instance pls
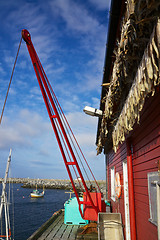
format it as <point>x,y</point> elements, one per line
<point>129,131</point>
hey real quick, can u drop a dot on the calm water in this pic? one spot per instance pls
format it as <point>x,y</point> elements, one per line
<point>30,214</point>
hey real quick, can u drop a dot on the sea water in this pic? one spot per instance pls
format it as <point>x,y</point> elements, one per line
<point>29,213</point>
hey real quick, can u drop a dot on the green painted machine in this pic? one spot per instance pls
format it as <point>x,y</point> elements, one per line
<point>72,215</point>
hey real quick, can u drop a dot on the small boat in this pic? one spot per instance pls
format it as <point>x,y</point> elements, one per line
<point>37,194</point>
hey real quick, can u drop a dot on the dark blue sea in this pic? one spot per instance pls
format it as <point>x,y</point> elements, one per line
<point>30,214</point>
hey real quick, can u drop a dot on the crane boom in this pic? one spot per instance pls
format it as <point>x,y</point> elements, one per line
<point>92,201</point>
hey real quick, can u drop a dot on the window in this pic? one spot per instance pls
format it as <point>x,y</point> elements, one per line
<point>153,178</point>
<point>113,183</point>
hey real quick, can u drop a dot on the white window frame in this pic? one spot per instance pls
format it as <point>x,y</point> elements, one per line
<point>126,200</point>
<point>153,178</point>
<point>113,184</point>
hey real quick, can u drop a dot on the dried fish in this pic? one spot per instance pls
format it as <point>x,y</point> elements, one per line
<point>135,72</point>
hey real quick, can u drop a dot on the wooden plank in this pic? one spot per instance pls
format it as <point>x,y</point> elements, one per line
<point>141,205</point>
<point>60,232</point>
<point>55,229</point>
<point>73,232</point>
<point>119,156</point>
<point>143,174</point>
<point>52,234</point>
<point>46,233</point>
<point>144,199</point>
<point>141,182</point>
<point>141,190</point>
<point>150,124</point>
<point>148,116</point>
<point>146,152</point>
<point>148,145</point>
<point>147,165</point>
<point>145,229</point>
<point>51,227</point>
<point>151,139</point>
<point>67,232</point>
<point>38,233</point>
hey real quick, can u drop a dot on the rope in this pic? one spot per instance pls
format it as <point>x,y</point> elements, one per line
<point>67,127</point>
<point>10,81</point>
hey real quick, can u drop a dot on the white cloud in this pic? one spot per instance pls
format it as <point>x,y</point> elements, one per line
<point>80,119</point>
<point>86,139</point>
<point>92,41</point>
<point>101,4</point>
<point>96,102</point>
<point>36,91</point>
<point>24,127</point>
<point>89,81</point>
<point>55,72</point>
<point>31,17</point>
<point>9,60</point>
<point>2,71</point>
<point>75,16</point>
<point>70,104</point>
<point>9,136</point>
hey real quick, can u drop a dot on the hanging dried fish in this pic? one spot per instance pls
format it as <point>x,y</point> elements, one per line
<point>142,86</point>
<point>136,28</point>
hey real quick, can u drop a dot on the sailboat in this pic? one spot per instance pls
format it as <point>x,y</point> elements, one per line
<point>37,194</point>
<point>5,205</point>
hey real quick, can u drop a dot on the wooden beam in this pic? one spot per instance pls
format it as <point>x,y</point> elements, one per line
<point>105,85</point>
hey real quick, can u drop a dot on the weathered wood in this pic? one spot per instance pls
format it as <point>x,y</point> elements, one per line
<point>56,230</point>
<point>49,230</point>
<point>105,85</point>
<point>36,235</point>
<point>61,231</point>
<point>67,232</point>
<point>146,151</point>
<point>73,233</point>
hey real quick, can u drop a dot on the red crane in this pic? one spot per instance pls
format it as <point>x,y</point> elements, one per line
<point>93,201</point>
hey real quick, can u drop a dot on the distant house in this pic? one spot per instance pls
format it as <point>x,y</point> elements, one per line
<point>78,179</point>
<point>129,132</point>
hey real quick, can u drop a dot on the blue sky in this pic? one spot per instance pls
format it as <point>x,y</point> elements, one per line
<point>69,37</point>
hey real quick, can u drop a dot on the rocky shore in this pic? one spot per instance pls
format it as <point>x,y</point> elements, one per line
<point>53,183</point>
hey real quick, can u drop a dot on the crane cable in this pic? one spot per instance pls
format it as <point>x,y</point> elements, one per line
<point>10,81</point>
<point>68,129</point>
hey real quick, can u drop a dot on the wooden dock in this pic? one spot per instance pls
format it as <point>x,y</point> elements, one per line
<point>55,229</point>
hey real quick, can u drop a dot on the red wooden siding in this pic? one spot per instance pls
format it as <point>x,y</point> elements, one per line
<point>116,160</point>
<point>145,139</point>
<point>146,153</point>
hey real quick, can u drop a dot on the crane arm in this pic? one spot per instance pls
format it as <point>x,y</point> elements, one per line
<point>56,119</point>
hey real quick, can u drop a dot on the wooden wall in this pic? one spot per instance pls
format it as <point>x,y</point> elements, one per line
<point>116,160</point>
<point>145,139</point>
<point>146,154</point>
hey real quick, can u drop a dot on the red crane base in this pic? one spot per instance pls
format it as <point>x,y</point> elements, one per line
<point>88,211</point>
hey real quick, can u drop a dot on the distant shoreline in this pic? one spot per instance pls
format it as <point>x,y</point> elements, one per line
<point>52,183</point>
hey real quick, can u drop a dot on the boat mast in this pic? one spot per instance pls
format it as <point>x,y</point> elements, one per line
<point>4,199</point>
